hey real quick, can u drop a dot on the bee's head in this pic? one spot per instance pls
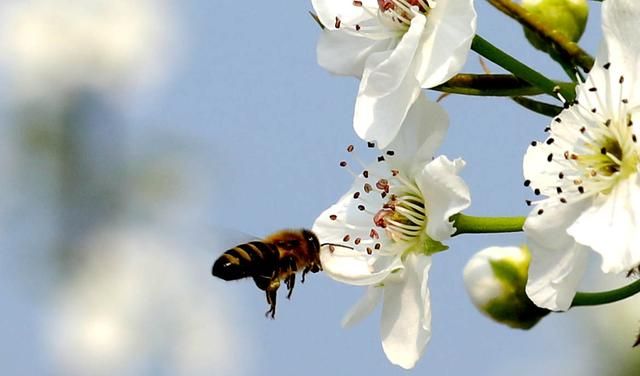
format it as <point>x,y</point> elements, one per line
<point>312,241</point>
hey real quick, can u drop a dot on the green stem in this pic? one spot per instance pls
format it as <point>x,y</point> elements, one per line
<point>583,299</point>
<point>541,108</point>
<point>467,224</point>
<point>520,70</point>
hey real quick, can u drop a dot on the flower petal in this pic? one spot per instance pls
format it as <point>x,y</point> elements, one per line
<point>420,135</point>
<point>406,313</point>
<point>445,193</point>
<point>363,307</point>
<point>611,226</point>
<point>357,268</point>
<point>345,54</point>
<point>451,26</point>
<point>388,88</point>
<point>557,261</point>
<point>620,31</point>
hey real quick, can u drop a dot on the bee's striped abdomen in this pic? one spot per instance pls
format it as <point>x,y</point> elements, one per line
<point>246,260</point>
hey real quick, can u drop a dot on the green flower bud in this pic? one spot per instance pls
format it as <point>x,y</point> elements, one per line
<point>569,17</point>
<point>495,279</point>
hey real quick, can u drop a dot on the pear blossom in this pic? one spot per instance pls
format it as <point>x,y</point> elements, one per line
<point>587,170</point>
<point>396,47</point>
<point>387,226</point>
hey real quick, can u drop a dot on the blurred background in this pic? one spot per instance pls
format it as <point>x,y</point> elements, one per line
<point>139,138</point>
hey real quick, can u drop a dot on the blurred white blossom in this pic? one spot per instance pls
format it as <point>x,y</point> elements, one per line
<point>140,305</point>
<point>53,45</point>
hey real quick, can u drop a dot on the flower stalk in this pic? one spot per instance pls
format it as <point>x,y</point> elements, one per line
<point>520,70</point>
<point>493,85</point>
<point>467,224</point>
<point>584,299</point>
<point>566,49</point>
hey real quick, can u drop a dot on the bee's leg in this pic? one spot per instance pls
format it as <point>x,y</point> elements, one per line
<point>292,268</point>
<point>291,281</point>
<point>304,273</point>
<point>271,293</point>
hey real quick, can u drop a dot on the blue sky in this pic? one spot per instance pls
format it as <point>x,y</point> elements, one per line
<point>263,128</point>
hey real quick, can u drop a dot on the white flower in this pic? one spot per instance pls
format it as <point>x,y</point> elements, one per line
<point>137,301</point>
<point>588,170</point>
<point>393,218</point>
<point>51,45</point>
<point>495,280</point>
<point>396,47</point>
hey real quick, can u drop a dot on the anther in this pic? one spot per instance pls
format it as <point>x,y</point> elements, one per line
<point>561,175</point>
<point>367,188</point>
<point>361,207</point>
<point>536,192</point>
<point>365,173</point>
<point>346,238</point>
<point>540,212</point>
<point>357,241</point>
<point>527,182</point>
<point>343,163</point>
<point>534,143</point>
<point>550,157</point>
<point>338,23</point>
<point>333,217</point>
<point>357,3</point>
<point>581,189</point>
<point>606,65</point>
<point>390,153</point>
<point>394,172</point>
<point>373,234</point>
<point>550,141</point>
<point>603,151</point>
<point>593,89</point>
<point>332,248</point>
<point>349,148</point>
<point>563,200</point>
<point>558,120</point>
<point>377,246</point>
<point>371,144</point>
<point>356,195</point>
<point>621,80</point>
<point>369,251</point>
<point>383,185</point>
<point>380,158</point>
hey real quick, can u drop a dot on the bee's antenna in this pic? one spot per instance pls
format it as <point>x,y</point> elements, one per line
<point>332,245</point>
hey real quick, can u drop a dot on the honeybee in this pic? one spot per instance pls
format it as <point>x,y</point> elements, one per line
<point>271,260</point>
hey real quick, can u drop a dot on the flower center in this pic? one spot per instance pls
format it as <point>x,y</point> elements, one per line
<point>385,207</point>
<point>593,147</point>
<point>395,15</point>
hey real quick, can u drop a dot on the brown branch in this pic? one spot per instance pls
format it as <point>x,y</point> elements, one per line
<point>563,46</point>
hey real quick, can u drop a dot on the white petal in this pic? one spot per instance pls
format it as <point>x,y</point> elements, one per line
<point>420,135</point>
<point>445,194</point>
<point>611,226</point>
<point>620,30</point>
<point>557,261</point>
<point>388,88</point>
<point>363,307</point>
<point>406,314</point>
<point>450,29</point>
<point>345,54</point>
<point>357,268</point>
<point>350,15</point>
<point>349,219</point>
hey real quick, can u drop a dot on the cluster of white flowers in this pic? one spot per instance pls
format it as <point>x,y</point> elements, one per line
<point>399,209</point>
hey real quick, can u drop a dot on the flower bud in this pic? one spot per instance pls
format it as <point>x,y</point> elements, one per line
<point>495,279</point>
<point>569,17</point>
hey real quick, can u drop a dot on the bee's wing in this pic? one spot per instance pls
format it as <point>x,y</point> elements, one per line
<point>223,239</point>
